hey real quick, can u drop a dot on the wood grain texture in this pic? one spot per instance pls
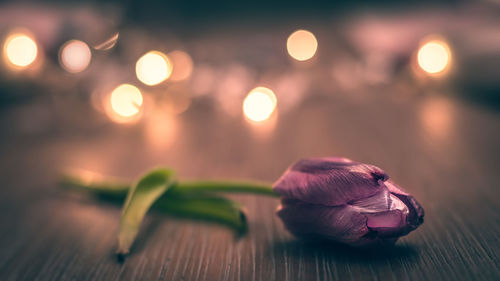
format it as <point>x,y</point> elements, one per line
<point>51,234</point>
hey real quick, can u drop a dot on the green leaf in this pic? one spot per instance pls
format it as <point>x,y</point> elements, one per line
<point>139,199</point>
<point>204,207</point>
<point>189,200</point>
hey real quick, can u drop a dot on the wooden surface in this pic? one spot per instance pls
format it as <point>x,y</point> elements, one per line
<point>438,147</point>
<point>51,234</point>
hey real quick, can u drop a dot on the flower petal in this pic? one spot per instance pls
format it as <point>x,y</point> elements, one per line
<point>386,215</point>
<point>340,223</point>
<point>389,220</point>
<point>415,215</point>
<point>330,181</point>
<point>379,202</point>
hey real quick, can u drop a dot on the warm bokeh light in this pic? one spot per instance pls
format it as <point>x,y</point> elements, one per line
<point>108,43</point>
<point>437,117</point>
<point>160,129</point>
<point>259,104</point>
<point>182,65</point>
<point>153,68</point>
<point>126,100</point>
<point>20,50</point>
<point>291,88</point>
<point>203,80</point>
<point>75,56</point>
<point>302,45</point>
<point>434,56</point>
<point>175,100</point>
<point>231,87</point>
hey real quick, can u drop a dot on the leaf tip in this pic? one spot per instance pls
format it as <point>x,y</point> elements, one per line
<point>242,228</point>
<point>121,256</point>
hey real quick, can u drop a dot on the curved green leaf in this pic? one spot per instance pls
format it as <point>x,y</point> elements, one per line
<point>139,199</point>
<point>184,201</point>
<point>204,207</point>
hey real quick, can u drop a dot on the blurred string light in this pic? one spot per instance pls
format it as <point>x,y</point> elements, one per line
<point>153,68</point>
<point>176,100</point>
<point>125,103</point>
<point>160,129</point>
<point>203,80</point>
<point>437,118</point>
<point>108,43</point>
<point>291,88</point>
<point>231,86</point>
<point>434,57</point>
<point>20,50</point>
<point>302,45</point>
<point>259,104</point>
<point>75,56</point>
<point>182,65</point>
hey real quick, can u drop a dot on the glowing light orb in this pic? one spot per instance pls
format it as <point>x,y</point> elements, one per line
<point>438,120</point>
<point>302,45</point>
<point>259,104</point>
<point>20,50</point>
<point>75,56</point>
<point>182,65</point>
<point>126,100</point>
<point>434,57</point>
<point>153,68</point>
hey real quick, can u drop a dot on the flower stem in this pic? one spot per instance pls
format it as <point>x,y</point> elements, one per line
<point>195,205</point>
<point>95,183</point>
<point>118,187</point>
<point>224,186</point>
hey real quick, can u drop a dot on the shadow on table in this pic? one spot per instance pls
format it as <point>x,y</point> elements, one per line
<point>337,251</point>
<point>298,248</point>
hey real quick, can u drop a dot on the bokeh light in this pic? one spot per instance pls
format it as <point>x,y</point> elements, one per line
<point>20,50</point>
<point>259,104</point>
<point>302,45</point>
<point>176,99</point>
<point>126,102</point>
<point>182,65</point>
<point>437,117</point>
<point>291,88</point>
<point>160,129</point>
<point>108,43</point>
<point>75,56</point>
<point>434,56</point>
<point>203,80</point>
<point>153,68</point>
<point>231,87</point>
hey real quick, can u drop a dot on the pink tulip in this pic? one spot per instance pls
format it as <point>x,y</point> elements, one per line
<point>345,201</point>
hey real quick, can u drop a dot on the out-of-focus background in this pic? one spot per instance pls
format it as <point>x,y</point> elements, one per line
<point>241,89</point>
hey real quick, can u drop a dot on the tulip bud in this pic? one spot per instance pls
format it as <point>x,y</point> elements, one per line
<point>345,201</point>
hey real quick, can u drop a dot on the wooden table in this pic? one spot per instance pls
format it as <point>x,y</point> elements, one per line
<point>442,150</point>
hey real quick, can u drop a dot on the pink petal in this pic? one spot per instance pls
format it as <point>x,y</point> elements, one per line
<point>415,215</point>
<point>389,219</point>
<point>330,181</point>
<point>339,223</point>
